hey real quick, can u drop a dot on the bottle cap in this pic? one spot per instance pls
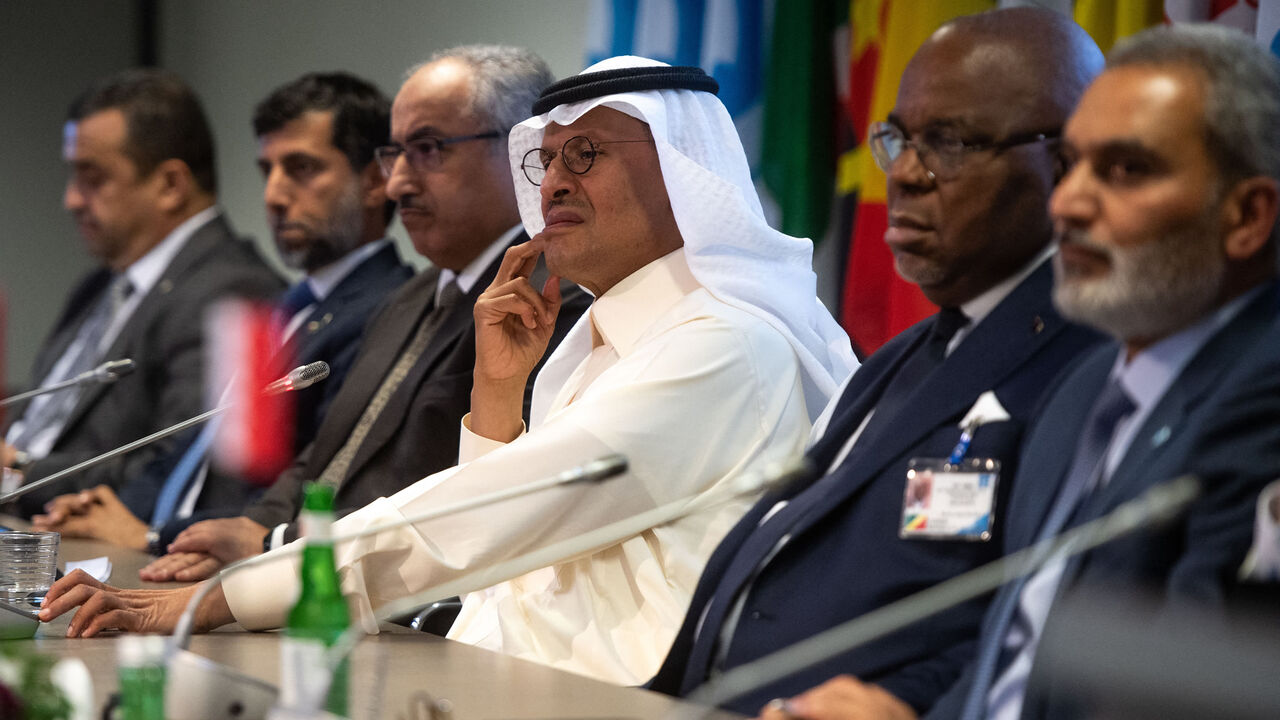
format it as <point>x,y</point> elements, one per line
<point>136,651</point>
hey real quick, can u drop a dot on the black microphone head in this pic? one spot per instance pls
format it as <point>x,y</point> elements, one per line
<point>113,370</point>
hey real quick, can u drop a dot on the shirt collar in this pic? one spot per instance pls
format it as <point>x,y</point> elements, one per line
<point>1148,376</point>
<point>145,272</point>
<point>981,306</point>
<point>620,316</point>
<point>474,269</point>
<point>324,280</point>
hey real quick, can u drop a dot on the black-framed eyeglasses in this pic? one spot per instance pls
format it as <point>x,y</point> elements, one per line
<point>941,153</point>
<point>578,154</point>
<point>423,153</point>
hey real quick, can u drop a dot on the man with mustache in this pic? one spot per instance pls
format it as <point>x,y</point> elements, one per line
<point>326,203</point>
<point>938,414</point>
<point>1168,234</point>
<point>703,360</point>
<point>142,189</point>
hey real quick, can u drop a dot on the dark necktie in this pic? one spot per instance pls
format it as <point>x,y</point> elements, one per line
<point>1112,406</point>
<point>55,409</point>
<point>916,368</point>
<point>336,470</point>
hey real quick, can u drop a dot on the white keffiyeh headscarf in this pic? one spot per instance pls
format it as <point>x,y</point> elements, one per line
<point>730,248</point>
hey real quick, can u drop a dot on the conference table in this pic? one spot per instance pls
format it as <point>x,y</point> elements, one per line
<point>388,670</point>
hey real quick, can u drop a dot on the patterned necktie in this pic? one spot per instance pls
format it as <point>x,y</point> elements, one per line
<point>52,411</point>
<point>1113,405</point>
<point>336,470</point>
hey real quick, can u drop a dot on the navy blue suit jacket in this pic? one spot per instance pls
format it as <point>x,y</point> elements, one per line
<point>1219,420</point>
<point>845,558</point>
<point>331,333</point>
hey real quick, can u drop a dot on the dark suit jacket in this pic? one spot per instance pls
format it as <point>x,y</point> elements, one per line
<point>1219,420</point>
<point>844,557</point>
<point>417,432</point>
<point>332,334</point>
<point>165,338</point>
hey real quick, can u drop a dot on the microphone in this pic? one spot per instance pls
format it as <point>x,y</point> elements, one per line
<point>315,372</point>
<point>299,378</point>
<point>106,373</point>
<point>773,476</point>
<point>1160,503</point>
<point>220,688</point>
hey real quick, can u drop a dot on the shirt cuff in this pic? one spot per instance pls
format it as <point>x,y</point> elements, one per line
<point>277,536</point>
<point>260,596</point>
<point>472,446</point>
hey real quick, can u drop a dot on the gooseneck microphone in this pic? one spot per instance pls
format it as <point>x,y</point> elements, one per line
<point>1161,503</point>
<point>297,379</point>
<point>106,373</point>
<point>215,691</point>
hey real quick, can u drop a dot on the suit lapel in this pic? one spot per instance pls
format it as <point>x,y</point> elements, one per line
<point>396,325</point>
<point>1164,427</point>
<point>206,239</point>
<point>1014,331</point>
<point>313,334</point>
<point>452,331</point>
<point>1051,446</point>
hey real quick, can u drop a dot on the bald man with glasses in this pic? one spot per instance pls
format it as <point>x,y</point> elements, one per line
<point>918,449</point>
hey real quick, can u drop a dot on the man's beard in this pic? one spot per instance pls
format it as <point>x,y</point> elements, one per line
<point>337,237</point>
<point>1152,290</point>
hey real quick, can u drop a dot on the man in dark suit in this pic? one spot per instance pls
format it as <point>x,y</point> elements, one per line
<point>969,151</point>
<point>1167,219</point>
<point>142,190</point>
<point>450,179</point>
<point>326,202</point>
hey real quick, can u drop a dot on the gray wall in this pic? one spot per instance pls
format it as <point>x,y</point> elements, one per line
<point>49,51</point>
<point>233,53</point>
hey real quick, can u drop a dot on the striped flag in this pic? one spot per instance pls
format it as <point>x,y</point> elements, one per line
<point>255,438</point>
<point>876,304</point>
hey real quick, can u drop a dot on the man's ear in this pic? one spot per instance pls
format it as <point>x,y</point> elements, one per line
<point>373,186</point>
<point>174,184</point>
<point>1249,213</point>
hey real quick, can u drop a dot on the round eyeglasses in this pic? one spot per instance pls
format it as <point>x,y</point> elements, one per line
<point>578,155</point>
<point>941,153</point>
<point>423,153</point>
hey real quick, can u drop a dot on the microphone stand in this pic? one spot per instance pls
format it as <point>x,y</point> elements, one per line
<point>1160,503</point>
<point>274,388</point>
<point>105,373</point>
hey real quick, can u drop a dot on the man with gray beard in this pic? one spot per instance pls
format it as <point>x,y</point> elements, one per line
<point>1167,224</point>
<point>327,207</point>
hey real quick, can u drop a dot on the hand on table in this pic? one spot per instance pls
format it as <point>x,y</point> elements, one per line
<point>840,698</point>
<point>103,607</point>
<point>205,547</point>
<point>94,513</point>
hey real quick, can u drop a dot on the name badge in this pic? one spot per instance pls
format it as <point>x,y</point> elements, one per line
<point>949,500</point>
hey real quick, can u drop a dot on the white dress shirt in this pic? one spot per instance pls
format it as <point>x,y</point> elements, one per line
<point>692,391</point>
<point>1263,562</point>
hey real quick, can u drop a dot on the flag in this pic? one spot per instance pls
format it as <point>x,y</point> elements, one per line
<point>255,437</point>
<point>797,163</point>
<point>1111,20</point>
<point>875,303</point>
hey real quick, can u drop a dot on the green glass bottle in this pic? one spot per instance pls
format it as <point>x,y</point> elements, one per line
<point>140,659</point>
<point>320,614</point>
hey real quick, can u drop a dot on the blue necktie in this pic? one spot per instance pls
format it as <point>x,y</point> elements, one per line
<point>1112,406</point>
<point>175,486</point>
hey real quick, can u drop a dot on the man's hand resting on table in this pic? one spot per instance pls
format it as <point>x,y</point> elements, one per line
<point>103,607</point>
<point>204,548</point>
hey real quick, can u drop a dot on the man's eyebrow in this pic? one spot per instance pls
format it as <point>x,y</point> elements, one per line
<point>943,123</point>
<point>1119,146</point>
<point>423,131</point>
